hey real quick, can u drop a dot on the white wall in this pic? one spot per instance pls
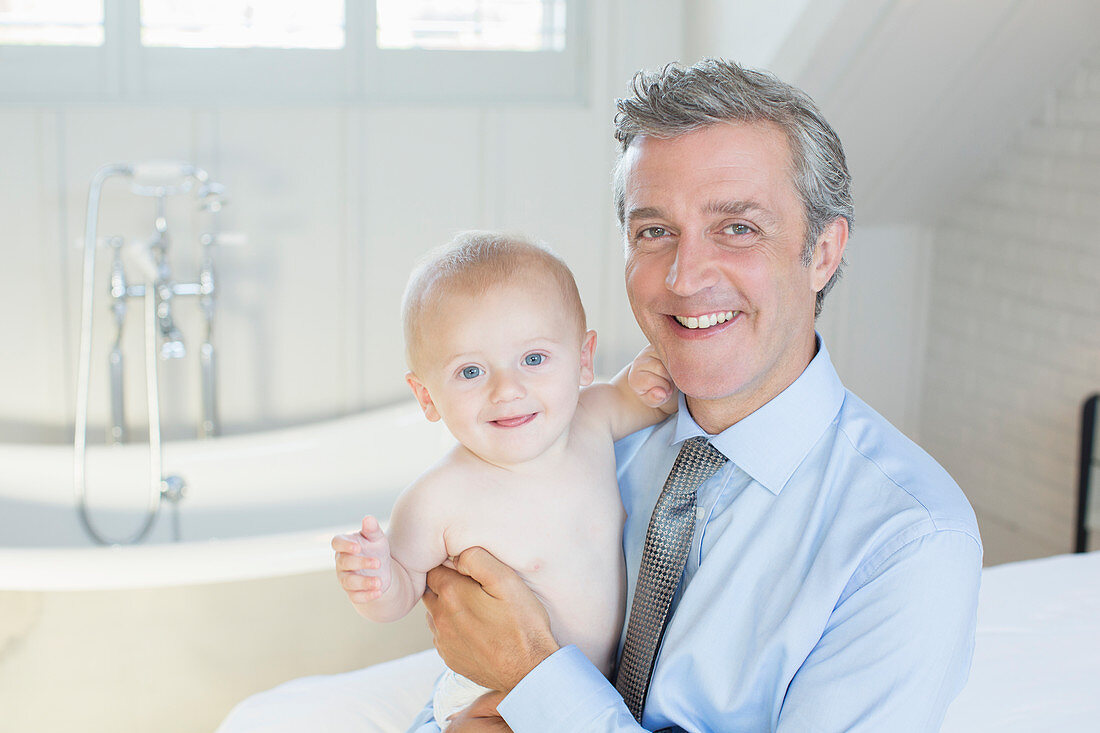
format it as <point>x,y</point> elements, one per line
<point>1014,332</point>
<point>337,204</point>
<point>874,321</point>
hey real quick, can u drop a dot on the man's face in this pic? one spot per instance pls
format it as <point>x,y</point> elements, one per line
<point>714,227</point>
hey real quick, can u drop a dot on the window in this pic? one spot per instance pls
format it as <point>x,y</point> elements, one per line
<point>468,25</point>
<point>242,23</point>
<point>290,51</point>
<point>457,50</point>
<point>52,50</point>
<point>56,23</point>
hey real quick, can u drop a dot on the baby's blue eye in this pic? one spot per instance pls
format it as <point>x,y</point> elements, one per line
<point>471,372</point>
<point>533,359</point>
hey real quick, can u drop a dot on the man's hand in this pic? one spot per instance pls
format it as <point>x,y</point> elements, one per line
<point>480,717</point>
<point>488,625</point>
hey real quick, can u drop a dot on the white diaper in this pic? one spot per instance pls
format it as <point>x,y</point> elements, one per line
<point>453,692</point>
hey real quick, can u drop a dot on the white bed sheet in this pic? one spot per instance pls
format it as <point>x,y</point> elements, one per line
<point>384,698</point>
<point>1036,667</point>
<point>1037,653</point>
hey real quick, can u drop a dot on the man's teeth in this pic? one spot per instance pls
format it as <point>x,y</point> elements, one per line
<point>706,321</point>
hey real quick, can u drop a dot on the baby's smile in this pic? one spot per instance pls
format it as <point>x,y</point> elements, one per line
<point>514,422</point>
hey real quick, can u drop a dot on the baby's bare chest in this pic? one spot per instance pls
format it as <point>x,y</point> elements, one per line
<point>559,521</point>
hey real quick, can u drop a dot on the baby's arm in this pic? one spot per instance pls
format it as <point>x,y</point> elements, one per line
<point>384,580</point>
<point>639,396</point>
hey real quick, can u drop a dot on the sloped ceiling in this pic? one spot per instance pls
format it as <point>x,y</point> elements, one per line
<point>924,93</point>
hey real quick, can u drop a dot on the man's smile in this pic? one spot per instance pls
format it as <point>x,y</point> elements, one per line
<point>707,319</point>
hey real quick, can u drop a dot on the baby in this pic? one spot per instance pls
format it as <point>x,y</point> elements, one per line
<point>497,345</point>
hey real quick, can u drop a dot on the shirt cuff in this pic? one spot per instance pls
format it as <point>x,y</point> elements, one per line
<point>565,692</point>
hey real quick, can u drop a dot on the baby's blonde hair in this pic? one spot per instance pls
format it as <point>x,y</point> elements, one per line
<point>472,262</point>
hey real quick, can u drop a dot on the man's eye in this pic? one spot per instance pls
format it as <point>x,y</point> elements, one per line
<point>471,372</point>
<point>739,229</point>
<point>533,359</point>
<point>653,233</point>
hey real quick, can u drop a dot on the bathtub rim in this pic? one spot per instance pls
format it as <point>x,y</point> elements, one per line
<point>168,565</point>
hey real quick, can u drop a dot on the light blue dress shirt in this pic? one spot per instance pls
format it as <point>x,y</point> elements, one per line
<point>832,582</point>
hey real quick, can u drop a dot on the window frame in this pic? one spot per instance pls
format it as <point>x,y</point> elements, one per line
<point>122,70</point>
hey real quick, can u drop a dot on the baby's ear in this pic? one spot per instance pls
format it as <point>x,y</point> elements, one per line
<point>422,396</point>
<point>588,358</point>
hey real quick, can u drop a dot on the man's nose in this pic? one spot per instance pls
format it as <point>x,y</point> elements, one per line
<point>693,270</point>
<point>506,386</point>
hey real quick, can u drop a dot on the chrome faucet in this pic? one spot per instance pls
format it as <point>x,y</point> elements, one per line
<point>164,289</point>
<point>118,308</point>
<point>158,291</point>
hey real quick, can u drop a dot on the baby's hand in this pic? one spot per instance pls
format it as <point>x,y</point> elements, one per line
<point>363,562</point>
<point>651,381</point>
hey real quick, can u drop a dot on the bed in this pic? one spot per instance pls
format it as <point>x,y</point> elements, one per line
<point>1036,666</point>
<point>1037,653</point>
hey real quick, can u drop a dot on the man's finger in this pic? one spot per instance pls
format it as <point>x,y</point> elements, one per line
<point>439,576</point>
<point>480,565</point>
<point>486,705</point>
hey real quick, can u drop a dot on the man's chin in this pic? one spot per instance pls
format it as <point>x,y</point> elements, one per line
<point>701,385</point>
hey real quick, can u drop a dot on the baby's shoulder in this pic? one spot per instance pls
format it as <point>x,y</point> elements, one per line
<point>595,407</point>
<point>443,483</point>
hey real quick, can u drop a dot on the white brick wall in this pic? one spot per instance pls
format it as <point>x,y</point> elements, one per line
<point>1014,328</point>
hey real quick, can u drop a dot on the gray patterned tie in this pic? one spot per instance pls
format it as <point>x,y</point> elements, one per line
<point>667,542</point>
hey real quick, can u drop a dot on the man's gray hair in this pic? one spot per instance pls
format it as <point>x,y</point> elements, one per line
<point>677,100</point>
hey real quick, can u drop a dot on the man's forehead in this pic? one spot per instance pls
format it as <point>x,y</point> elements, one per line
<point>728,139</point>
<point>734,157</point>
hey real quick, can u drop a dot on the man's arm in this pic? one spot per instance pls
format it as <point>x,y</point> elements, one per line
<point>897,648</point>
<point>487,624</point>
<point>894,654</point>
<point>490,627</point>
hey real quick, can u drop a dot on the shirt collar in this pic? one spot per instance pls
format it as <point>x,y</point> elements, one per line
<point>770,443</point>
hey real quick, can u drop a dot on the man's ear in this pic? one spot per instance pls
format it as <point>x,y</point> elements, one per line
<point>422,396</point>
<point>588,358</point>
<point>828,252</point>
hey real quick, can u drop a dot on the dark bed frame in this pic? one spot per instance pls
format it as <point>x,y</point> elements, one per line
<point>1090,463</point>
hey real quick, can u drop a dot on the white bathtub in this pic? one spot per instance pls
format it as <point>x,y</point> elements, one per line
<point>256,505</point>
<point>168,635</point>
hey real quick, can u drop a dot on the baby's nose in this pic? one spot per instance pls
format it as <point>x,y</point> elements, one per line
<point>507,386</point>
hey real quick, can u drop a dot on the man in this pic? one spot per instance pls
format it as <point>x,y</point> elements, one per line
<point>832,567</point>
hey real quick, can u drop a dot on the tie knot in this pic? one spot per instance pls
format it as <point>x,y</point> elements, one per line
<point>697,461</point>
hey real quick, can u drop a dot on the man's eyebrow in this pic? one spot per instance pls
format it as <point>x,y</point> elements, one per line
<point>738,208</point>
<point>644,212</point>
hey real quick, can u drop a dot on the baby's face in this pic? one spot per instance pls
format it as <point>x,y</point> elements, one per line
<point>503,369</point>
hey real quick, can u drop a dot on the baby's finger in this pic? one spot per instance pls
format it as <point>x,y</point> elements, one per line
<point>345,543</point>
<point>349,562</point>
<point>353,582</point>
<point>656,397</point>
<point>372,531</point>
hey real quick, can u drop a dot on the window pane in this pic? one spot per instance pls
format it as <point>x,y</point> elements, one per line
<point>243,23</point>
<point>472,25</point>
<point>51,22</point>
